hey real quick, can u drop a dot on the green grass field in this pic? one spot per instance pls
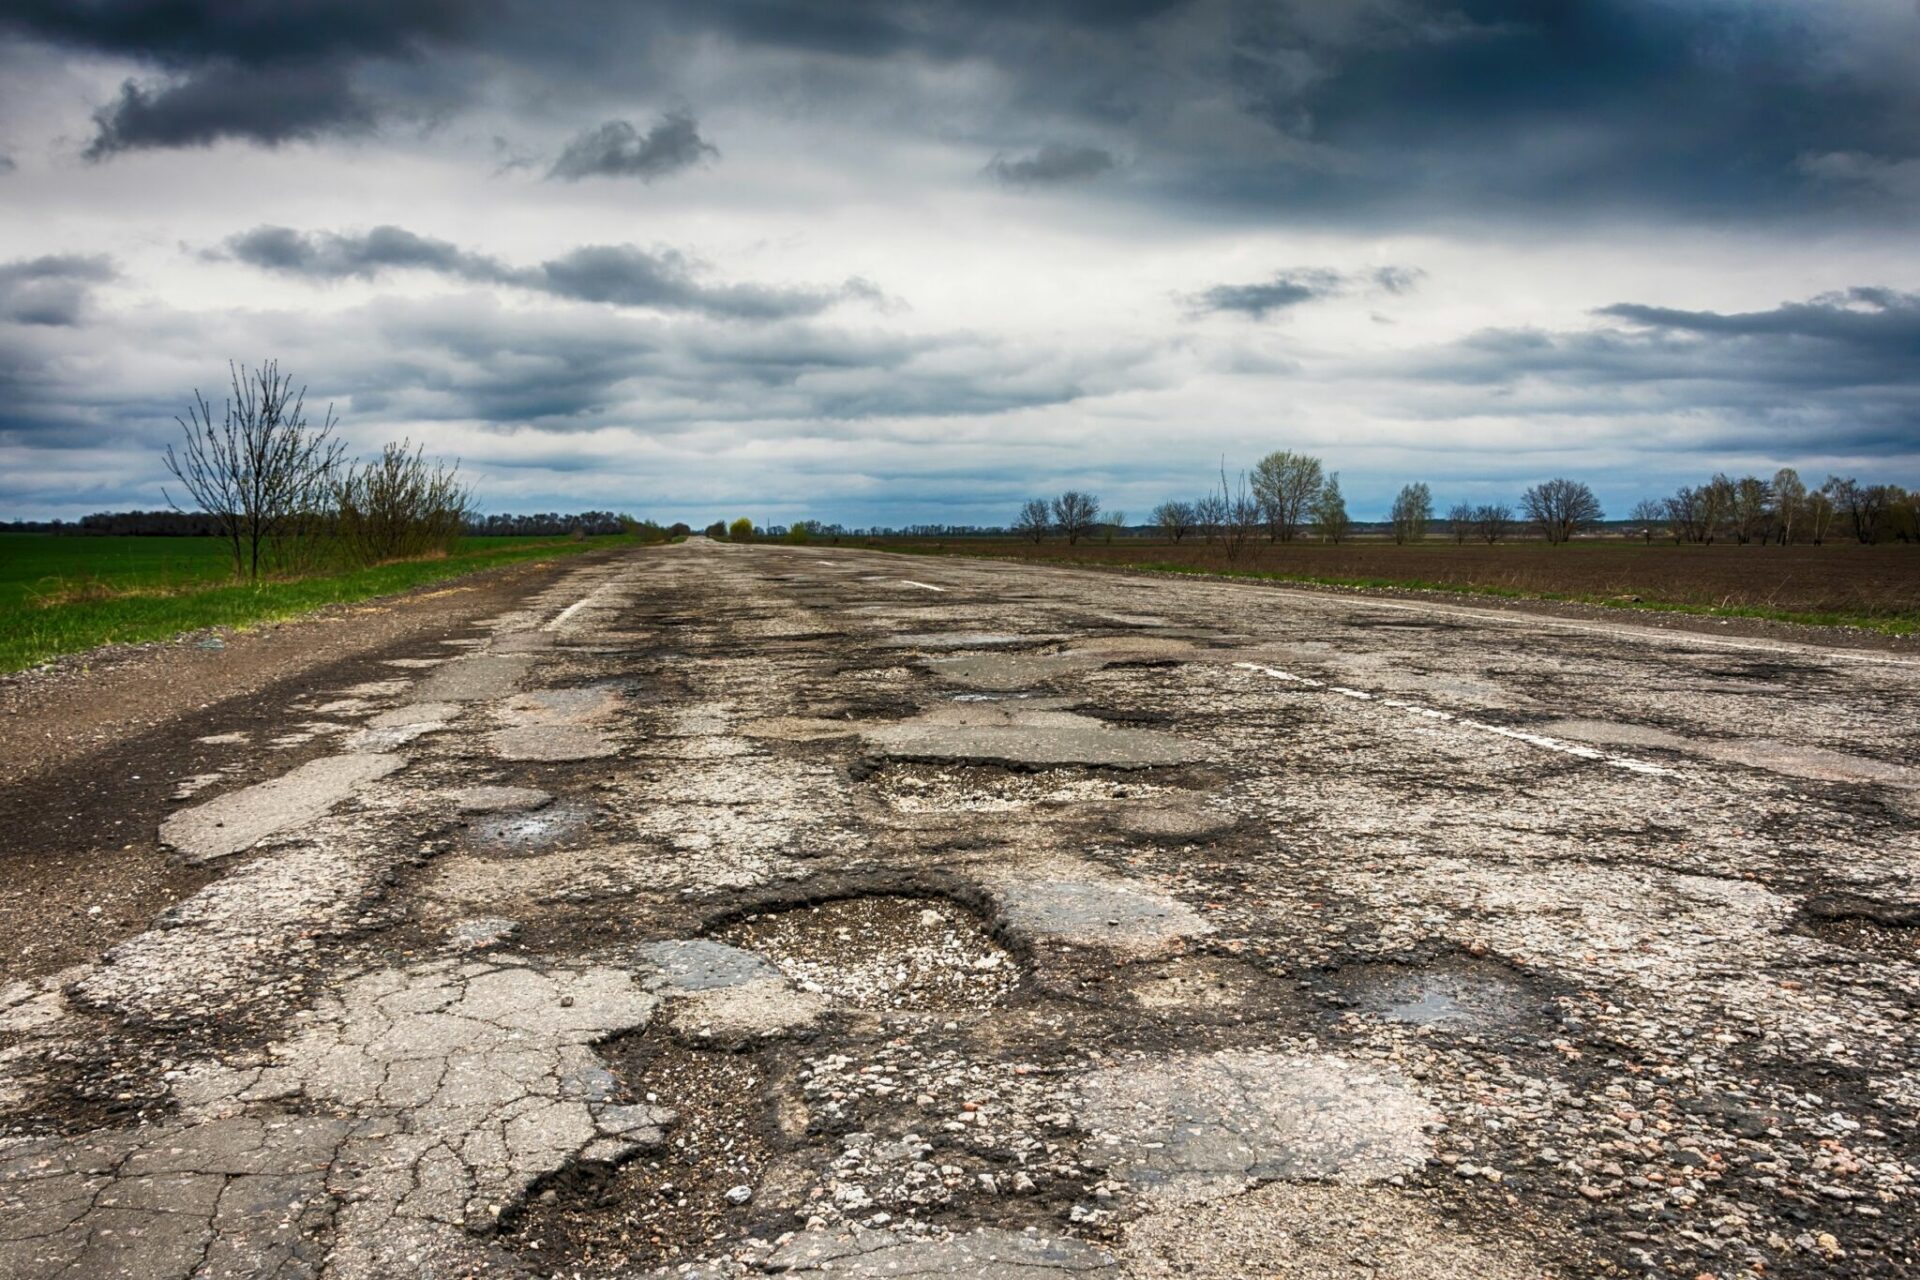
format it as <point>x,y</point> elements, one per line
<point>64,594</point>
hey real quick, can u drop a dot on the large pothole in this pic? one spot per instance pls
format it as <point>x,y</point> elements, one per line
<point>1459,996</point>
<point>887,952</point>
<point>526,834</point>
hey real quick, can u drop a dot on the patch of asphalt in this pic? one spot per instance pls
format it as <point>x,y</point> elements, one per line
<point>999,733</point>
<point>499,799</point>
<point>235,822</point>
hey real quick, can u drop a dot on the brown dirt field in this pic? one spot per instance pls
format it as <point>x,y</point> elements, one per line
<point>1879,582</point>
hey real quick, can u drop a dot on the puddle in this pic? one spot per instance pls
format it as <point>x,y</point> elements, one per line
<point>1454,997</point>
<point>525,834</point>
<point>884,953</point>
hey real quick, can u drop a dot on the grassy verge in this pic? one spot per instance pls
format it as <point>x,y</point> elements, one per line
<point>1891,624</point>
<point>53,620</point>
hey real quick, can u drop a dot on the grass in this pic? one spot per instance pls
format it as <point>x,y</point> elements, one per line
<point>1870,588</point>
<point>65,594</point>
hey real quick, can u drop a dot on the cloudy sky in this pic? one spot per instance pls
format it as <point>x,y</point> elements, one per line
<point>879,261</point>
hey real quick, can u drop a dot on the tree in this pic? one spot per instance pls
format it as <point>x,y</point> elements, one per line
<point>1285,484</point>
<point>1210,515</point>
<point>1789,504</point>
<point>1116,522</point>
<point>263,471</point>
<point>1820,513</point>
<point>1716,512</point>
<point>717,530</point>
<point>1649,514</point>
<point>741,530</point>
<point>1034,521</point>
<point>1329,511</point>
<point>1561,508</point>
<point>1492,521</point>
<point>801,532</point>
<point>398,507</point>
<point>1074,514</point>
<point>1412,510</point>
<point>1175,519</point>
<point>1240,516</point>
<point>1460,521</point>
<point>1748,512</point>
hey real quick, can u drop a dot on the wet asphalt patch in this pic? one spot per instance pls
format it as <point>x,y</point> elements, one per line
<point>529,833</point>
<point>1454,995</point>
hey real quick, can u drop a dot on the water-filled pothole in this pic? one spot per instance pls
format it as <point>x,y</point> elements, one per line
<point>525,834</point>
<point>884,953</point>
<point>1453,996</point>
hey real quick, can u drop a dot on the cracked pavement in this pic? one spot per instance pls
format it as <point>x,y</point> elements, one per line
<point>727,910</point>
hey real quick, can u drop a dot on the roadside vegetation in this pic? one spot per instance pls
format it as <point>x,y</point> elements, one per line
<point>1814,555</point>
<point>270,518</point>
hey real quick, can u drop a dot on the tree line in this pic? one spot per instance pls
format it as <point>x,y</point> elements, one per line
<point>1287,495</point>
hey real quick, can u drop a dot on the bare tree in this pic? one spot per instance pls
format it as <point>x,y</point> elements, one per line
<point>1412,510</point>
<point>1752,504</point>
<point>1175,519</point>
<point>263,472</point>
<point>1649,514</point>
<point>1210,515</point>
<point>1492,521</point>
<point>1561,508</point>
<point>1716,513</point>
<point>398,507</point>
<point>1241,513</point>
<point>1820,513</point>
<point>1329,511</point>
<point>1034,521</point>
<point>1285,484</point>
<point>1074,513</point>
<point>1460,521</point>
<point>1789,504</point>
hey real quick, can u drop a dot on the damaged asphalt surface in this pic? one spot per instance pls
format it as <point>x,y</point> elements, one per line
<point>731,911</point>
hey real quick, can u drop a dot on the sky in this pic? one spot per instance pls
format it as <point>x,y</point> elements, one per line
<point>881,262</point>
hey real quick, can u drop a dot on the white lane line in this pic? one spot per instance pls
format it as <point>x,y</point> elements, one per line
<point>1465,722</point>
<point>924,586</point>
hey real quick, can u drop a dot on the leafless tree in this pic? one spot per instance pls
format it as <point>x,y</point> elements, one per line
<point>1492,521</point>
<point>1034,521</point>
<point>1210,515</point>
<point>1717,497</point>
<point>1074,514</point>
<point>1240,517</point>
<point>262,471</point>
<point>1329,511</point>
<point>1285,484</point>
<point>1820,513</point>
<point>1752,505</point>
<point>1175,519</point>
<point>399,507</point>
<point>1460,521</point>
<point>1561,508</point>
<point>1412,510</point>
<point>1649,514</point>
<point>1789,504</point>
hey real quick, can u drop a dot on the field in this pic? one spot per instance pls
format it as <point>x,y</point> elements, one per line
<point>1841,584</point>
<point>63,594</point>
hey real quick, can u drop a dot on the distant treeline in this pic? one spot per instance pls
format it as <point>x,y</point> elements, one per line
<point>200,524</point>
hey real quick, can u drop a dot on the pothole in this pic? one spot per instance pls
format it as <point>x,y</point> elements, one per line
<point>923,788</point>
<point>1453,996</point>
<point>526,834</point>
<point>680,1202</point>
<point>884,953</point>
<point>1860,923</point>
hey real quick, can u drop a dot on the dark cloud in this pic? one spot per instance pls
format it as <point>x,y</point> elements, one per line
<point>1301,285</point>
<point>268,105</point>
<point>7,164</point>
<point>53,290</point>
<point>252,32</point>
<point>620,275</point>
<point>1051,165</point>
<point>617,150</point>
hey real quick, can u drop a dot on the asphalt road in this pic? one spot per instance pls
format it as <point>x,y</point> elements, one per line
<point>721,910</point>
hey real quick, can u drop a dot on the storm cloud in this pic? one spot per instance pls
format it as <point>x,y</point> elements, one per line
<point>54,290</point>
<point>617,150</point>
<point>1052,164</point>
<point>621,275</point>
<point>1300,285</point>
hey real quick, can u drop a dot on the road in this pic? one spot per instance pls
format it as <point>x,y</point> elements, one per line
<point>727,910</point>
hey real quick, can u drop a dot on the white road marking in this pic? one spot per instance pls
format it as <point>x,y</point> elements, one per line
<point>1478,726</point>
<point>924,586</point>
<point>561,617</point>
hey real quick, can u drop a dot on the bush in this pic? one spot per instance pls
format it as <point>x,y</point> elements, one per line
<point>741,530</point>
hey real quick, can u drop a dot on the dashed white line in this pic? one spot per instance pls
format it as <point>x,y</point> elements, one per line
<point>1465,722</point>
<point>924,586</point>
